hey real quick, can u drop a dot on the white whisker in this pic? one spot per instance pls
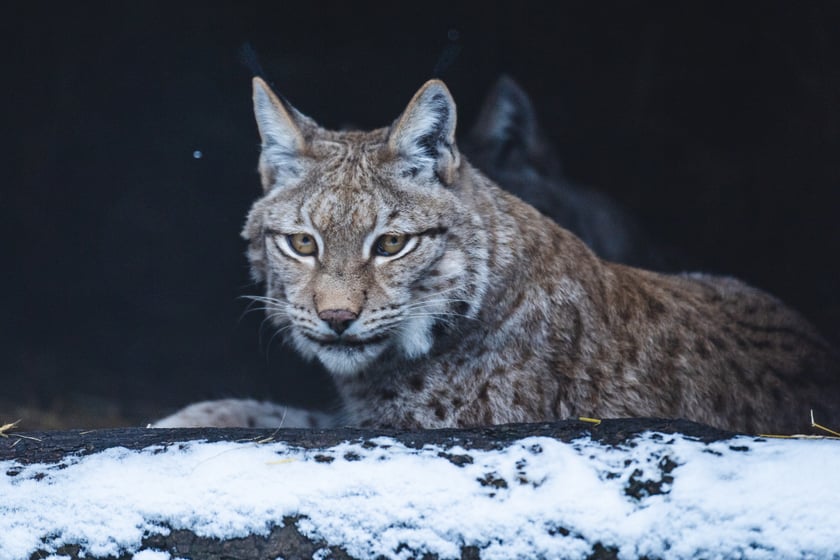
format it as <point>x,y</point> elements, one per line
<point>272,306</point>
<point>277,333</point>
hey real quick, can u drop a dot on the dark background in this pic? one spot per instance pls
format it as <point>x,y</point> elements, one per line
<point>717,123</point>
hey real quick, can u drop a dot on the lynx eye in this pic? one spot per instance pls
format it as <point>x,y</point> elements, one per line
<point>390,244</point>
<point>303,244</point>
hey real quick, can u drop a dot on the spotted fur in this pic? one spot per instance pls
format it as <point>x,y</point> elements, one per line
<point>491,312</point>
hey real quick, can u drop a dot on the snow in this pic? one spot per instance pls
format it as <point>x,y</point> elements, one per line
<point>152,555</point>
<point>661,495</point>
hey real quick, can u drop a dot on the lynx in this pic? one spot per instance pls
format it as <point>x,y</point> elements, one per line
<point>437,299</point>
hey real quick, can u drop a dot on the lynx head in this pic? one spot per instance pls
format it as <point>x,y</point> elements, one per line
<point>362,238</point>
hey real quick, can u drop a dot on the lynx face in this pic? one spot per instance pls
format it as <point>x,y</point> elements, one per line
<point>357,236</point>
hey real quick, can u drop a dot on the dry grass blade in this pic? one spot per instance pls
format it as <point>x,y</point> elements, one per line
<point>4,429</point>
<point>823,428</point>
<point>834,435</point>
<point>5,433</point>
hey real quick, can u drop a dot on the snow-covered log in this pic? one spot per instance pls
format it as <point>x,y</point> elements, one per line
<point>615,489</point>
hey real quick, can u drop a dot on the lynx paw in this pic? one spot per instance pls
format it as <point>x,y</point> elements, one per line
<point>243,413</point>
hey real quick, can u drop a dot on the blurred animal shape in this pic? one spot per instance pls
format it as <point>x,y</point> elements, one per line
<point>508,145</point>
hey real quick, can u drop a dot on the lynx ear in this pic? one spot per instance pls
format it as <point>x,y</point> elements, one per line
<point>507,124</point>
<point>283,141</point>
<point>424,135</point>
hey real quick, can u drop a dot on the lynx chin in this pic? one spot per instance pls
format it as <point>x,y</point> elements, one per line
<point>435,298</point>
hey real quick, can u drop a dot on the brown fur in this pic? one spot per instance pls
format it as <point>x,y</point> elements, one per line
<point>496,314</point>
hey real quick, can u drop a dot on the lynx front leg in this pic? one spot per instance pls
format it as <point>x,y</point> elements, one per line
<point>244,413</point>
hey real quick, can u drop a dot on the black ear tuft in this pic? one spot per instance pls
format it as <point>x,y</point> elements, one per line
<point>249,58</point>
<point>424,135</point>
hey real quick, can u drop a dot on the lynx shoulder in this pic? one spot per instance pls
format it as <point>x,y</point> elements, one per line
<point>435,298</point>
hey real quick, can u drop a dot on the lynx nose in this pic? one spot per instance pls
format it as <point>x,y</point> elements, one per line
<point>338,319</point>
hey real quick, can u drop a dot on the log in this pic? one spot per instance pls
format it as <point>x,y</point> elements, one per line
<point>30,457</point>
<point>52,446</point>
